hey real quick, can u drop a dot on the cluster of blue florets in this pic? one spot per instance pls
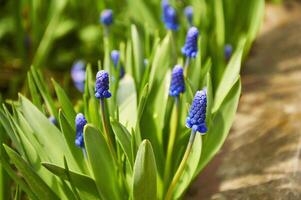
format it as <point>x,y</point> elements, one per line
<point>197,114</point>
<point>177,85</point>
<point>190,48</point>
<point>80,122</point>
<point>102,85</point>
<point>169,16</point>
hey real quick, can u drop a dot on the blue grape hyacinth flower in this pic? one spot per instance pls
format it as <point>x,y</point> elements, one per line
<point>169,16</point>
<point>197,114</point>
<point>52,120</point>
<point>177,85</point>
<point>188,11</point>
<point>78,75</point>
<point>228,51</point>
<point>106,17</point>
<point>102,85</point>
<point>190,48</point>
<point>80,122</point>
<point>115,55</point>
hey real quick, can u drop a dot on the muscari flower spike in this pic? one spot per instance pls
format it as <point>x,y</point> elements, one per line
<point>228,51</point>
<point>197,114</point>
<point>102,85</point>
<point>78,75</point>
<point>80,122</point>
<point>177,84</point>
<point>169,16</point>
<point>190,48</point>
<point>106,17</point>
<point>188,11</point>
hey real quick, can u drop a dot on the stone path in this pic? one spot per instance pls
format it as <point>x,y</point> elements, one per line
<point>261,158</point>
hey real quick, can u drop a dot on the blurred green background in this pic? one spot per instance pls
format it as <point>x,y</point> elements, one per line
<point>53,34</point>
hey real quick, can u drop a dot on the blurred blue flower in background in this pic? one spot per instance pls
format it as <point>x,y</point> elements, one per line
<point>78,75</point>
<point>115,55</point>
<point>188,11</point>
<point>52,120</point>
<point>169,16</point>
<point>177,85</point>
<point>106,17</point>
<point>190,48</point>
<point>228,51</point>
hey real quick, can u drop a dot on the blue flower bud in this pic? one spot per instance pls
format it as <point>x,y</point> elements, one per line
<point>145,62</point>
<point>115,57</point>
<point>228,51</point>
<point>78,75</point>
<point>197,114</point>
<point>80,122</point>
<point>188,11</point>
<point>190,48</point>
<point>106,17</point>
<point>177,84</point>
<point>52,120</point>
<point>169,16</point>
<point>102,85</point>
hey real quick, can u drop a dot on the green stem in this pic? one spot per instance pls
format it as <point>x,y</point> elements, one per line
<point>106,129</point>
<point>181,167</point>
<point>187,61</point>
<point>171,140</point>
<point>109,141</point>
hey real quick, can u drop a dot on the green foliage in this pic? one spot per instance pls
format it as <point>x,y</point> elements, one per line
<point>139,117</point>
<point>145,173</point>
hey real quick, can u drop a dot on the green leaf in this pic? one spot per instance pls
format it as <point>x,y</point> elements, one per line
<point>142,13</point>
<point>36,99</point>
<point>145,173</point>
<point>220,126</point>
<point>124,139</point>
<point>101,163</point>
<point>230,76</point>
<point>138,54</point>
<point>84,184</point>
<point>209,98</point>
<point>38,186</point>
<point>65,102</point>
<point>41,85</point>
<point>69,134</point>
<point>142,102</point>
<point>161,60</point>
<point>127,102</point>
<point>190,168</point>
<point>5,120</point>
<point>50,138</point>
<point>12,173</point>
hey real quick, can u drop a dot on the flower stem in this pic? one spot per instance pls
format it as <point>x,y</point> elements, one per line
<point>187,61</point>
<point>105,128</point>
<point>181,167</point>
<point>171,140</point>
